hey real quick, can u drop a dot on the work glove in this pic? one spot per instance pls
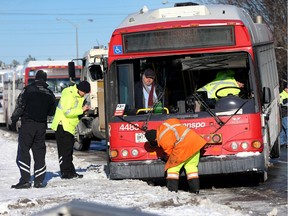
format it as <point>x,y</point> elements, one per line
<point>153,144</point>
<point>164,158</point>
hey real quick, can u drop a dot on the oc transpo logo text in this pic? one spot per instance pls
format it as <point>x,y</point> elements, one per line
<point>195,125</point>
<point>130,127</point>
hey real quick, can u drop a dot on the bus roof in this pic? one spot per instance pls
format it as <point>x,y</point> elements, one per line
<point>214,13</point>
<point>47,63</point>
<point>19,67</point>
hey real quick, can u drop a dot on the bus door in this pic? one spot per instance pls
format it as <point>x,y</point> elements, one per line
<point>269,80</point>
<point>125,89</point>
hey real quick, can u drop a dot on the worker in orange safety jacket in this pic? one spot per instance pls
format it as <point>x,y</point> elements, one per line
<point>182,146</point>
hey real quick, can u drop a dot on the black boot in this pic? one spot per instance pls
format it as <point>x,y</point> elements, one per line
<point>22,185</point>
<point>172,184</point>
<point>194,185</point>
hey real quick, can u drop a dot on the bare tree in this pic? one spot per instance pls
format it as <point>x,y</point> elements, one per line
<point>29,58</point>
<point>2,65</point>
<point>15,63</point>
<point>275,16</point>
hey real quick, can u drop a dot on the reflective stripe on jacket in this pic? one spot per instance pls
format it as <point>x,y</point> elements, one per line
<point>178,141</point>
<point>212,87</point>
<point>68,110</point>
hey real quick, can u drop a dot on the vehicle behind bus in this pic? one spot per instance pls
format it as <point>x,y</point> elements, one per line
<point>91,126</point>
<point>13,82</point>
<point>57,78</point>
<point>187,47</point>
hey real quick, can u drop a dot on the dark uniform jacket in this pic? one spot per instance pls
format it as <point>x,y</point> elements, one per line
<point>35,103</point>
<point>139,98</point>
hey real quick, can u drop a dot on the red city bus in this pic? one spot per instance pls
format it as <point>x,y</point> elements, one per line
<point>57,77</point>
<point>187,45</point>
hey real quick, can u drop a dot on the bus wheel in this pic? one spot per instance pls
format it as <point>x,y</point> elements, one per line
<point>275,151</point>
<point>256,178</point>
<point>82,144</point>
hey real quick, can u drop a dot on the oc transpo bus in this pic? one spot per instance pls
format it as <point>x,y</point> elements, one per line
<point>187,45</point>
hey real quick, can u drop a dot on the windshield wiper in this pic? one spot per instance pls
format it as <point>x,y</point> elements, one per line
<point>207,108</point>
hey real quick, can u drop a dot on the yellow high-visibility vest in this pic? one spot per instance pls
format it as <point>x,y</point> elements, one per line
<point>223,79</point>
<point>68,110</point>
<point>283,95</point>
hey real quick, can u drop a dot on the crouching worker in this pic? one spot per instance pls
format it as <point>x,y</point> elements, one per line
<point>182,145</point>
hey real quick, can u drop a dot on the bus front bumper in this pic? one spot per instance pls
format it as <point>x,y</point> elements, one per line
<point>207,166</point>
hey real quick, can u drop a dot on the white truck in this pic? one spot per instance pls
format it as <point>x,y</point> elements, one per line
<point>92,123</point>
<point>2,114</point>
<point>13,82</point>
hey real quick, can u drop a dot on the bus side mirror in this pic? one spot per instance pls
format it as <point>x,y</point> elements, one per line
<point>95,72</point>
<point>266,97</point>
<point>105,64</point>
<point>71,70</point>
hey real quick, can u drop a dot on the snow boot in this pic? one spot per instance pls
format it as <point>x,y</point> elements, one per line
<point>172,184</point>
<point>194,185</point>
<point>22,185</point>
<point>39,185</point>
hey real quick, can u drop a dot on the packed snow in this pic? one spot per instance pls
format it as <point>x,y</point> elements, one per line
<point>94,188</point>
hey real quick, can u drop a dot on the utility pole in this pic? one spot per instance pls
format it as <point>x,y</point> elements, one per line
<point>76,26</point>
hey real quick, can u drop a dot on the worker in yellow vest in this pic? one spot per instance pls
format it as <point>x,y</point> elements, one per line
<point>70,107</point>
<point>182,146</point>
<point>284,112</point>
<point>223,79</point>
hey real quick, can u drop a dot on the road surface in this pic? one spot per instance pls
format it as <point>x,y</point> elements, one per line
<point>235,191</point>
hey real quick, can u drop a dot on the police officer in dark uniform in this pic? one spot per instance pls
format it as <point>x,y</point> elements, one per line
<point>34,104</point>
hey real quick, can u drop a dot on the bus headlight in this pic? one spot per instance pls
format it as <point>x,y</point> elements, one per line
<point>124,153</point>
<point>244,145</point>
<point>216,138</point>
<point>234,145</point>
<point>113,153</point>
<point>256,144</point>
<point>134,152</point>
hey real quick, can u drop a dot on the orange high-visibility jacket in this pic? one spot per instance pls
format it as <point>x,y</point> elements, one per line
<point>178,141</point>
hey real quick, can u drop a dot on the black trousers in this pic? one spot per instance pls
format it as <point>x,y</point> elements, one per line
<point>65,144</point>
<point>31,136</point>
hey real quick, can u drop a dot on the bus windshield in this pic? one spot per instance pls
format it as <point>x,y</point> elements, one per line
<point>57,78</point>
<point>57,84</point>
<point>181,77</point>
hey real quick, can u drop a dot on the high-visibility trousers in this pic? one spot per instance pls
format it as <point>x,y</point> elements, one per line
<point>190,166</point>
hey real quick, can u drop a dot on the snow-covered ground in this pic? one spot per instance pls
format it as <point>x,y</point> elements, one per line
<point>95,188</point>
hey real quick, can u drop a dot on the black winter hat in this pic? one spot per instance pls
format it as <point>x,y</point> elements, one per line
<point>151,137</point>
<point>84,86</point>
<point>41,75</point>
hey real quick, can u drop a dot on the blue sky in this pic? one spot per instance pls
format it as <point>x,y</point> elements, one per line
<point>30,27</point>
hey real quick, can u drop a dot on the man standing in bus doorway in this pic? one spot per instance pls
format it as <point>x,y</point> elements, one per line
<point>223,79</point>
<point>64,123</point>
<point>284,112</point>
<point>147,90</point>
<point>34,104</point>
<point>182,146</point>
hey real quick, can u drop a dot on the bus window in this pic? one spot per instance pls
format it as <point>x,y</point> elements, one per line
<point>126,90</point>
